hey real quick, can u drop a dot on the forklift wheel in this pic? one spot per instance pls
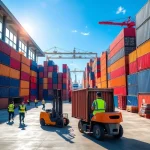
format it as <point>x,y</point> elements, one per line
<point>60,123</point>
<point>80,126</point>
<point>98,132</point>
<point>66,122</point>
<point>120,133</point>
<point>42,122</point>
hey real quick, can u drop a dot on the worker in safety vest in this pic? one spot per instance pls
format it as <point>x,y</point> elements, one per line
<point>43,103</point>
<point>36,101</point>
<point>22,110</point>
<point>98,105</point>
<point>11,108</point>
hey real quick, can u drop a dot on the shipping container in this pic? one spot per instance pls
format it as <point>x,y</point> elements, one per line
<point>104,84</point>
<point>25,60</point>
<point>132,101</point>
<point>50,86</point>
<point>33,86</point>
<point>122,102</point>
<point>133,56</point>
<point>4,92</point>
<point>4,70</point>
<point>24,92</point>
<point>4,59</point>
<point>45,74</point>
<point>54,75</point>
<point>50,63</point>
<point>33,63</point>
<point>14,74</point>
<point>144,81</point>
<point>41,74</point>
<point>33,79</point>
<point>49,74</point>
<point>34,68</point>
<point>33,92</point>
<point>14,54</point>
<point>50,80</point>
<point>4,103</point>
<point>32,98</point>
<point>133,67</point>
<point>40,80</point>
<point>55,80</point>
<point>133,90</point>
<point>25,76</point>
<point>45,64</point>
<point>41,69</point>
<point>116,101</point>
<point>13,92</point>
<point>5,48</point>
<point>25,68</point>
<point>45,86</point>
<point>15,64</point>
<point>82,102</point>
<point>54,86</point>
<point>50,69</point>
<point>24,84</point>
<point>14,82</point>
<point>33,73</point>
<point>45,80</point>
<point>132,79</point>
<point>120,91</point>
<point>4,81</point>
<point>59,86</point>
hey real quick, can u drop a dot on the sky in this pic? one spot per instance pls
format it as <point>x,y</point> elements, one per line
<point>70,24</point>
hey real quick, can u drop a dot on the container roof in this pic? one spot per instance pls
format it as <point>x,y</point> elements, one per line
<point>14,23</point>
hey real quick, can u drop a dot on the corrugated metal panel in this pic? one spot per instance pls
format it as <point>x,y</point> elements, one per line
<point>143,14</point>
<point>25,68</point>
<point>4,92</point>
<point>132,56</point>
<point>14,74</point>
<point>132,79</point>
<point>133,67</point>
<point>122,102</point>
<point>144,81</point>
<point>3,103</point>
<point>116,101</point>
<point>14,92</point>
<point>24,92</point>
<point>4,81</point>
<point>82,101</point>
<point>15,64</point>
<point>133,90</point>
<point>120,91</point>
<point>24,84</point>
<point>4,70</point>
<point>132,101</point>
<point>14,82</point>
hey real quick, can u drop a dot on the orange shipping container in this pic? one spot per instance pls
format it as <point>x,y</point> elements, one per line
<point>99,85</point>
<point>25,60</point>
<point>25,68</point>
<point>24,84</point>
<point>98,80</point>
<point>14,74</point>
<point>104,84</point>
<point>103,65</point>
<point>132,56</point>
<point>103,72</point>
<point>45,86</point>
<point>117,82</point>
<point>24,92</point>
<point>143,49</point>
<point>33,73</point>
<point>4,70</point>
<point>45,80</point>
<point>118,64</point>
<point>103,78</point>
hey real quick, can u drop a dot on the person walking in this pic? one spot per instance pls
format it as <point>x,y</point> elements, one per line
<point>43,103</point>
<point>28,101</point>
<point>11,108</point>
<point>22,110</point>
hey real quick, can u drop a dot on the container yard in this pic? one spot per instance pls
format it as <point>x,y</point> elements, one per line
<point>44,106</point>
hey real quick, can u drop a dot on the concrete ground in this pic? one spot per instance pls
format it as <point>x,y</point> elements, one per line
<point>34,137</point>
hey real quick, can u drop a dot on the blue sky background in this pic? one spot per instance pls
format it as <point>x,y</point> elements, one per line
<point>53,23</point>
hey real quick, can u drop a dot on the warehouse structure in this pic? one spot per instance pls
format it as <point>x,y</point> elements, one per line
<point>15,35</point>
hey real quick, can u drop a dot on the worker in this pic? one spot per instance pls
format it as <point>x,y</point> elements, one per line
<point>22,110</point>
<point>36,102</point>
<point>28,101</point>
<point>98,105</point>
<point>43,103</point>
<point>11,109</point>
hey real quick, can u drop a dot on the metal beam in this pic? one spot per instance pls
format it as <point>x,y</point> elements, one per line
<point>77,71</point>
<point>70,53</point>
<point>70,57</point>
<point>4,28</point>
<point>17,42</point>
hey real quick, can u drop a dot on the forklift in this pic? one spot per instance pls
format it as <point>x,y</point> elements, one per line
<point>55,116</point>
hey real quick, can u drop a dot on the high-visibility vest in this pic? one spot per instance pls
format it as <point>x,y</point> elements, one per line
<point>11,108</point>
<point>22,108</point>
<point>99,106</point>
<point>43,102</point>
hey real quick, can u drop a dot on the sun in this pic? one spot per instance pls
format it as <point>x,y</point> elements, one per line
<point>28,28</point>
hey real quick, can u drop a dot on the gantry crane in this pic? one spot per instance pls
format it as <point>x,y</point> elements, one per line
<point>128,23</point>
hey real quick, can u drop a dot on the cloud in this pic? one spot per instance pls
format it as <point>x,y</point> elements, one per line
<point>85,33</point>
<point>74,31</point>
<point>121,10</point>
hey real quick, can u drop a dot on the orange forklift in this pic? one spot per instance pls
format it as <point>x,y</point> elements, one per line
<point>55,116</point>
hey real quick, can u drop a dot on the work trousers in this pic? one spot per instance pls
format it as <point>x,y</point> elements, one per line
<point>11,115</point>
<point>21,117</point>
<point>43,106</point>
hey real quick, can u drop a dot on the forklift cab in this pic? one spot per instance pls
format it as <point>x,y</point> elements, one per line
<point>55,115</point>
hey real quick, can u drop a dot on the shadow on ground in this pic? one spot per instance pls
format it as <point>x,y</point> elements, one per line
<point>65,132</point>
<point>111,143</point>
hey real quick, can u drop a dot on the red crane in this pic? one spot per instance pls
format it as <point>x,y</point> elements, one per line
<point>128,23</point>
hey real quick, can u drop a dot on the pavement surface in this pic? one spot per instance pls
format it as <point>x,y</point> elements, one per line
<point>34,137</point>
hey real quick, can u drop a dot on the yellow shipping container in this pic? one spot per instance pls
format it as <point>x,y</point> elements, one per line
<point>24,84</point>
<point>143,49</point>
<point>33,73</point>
<point>24,92</point>
<point>132,56</point>
<point>104,84</point>
<point>4,70</point>
<point>14,74</point>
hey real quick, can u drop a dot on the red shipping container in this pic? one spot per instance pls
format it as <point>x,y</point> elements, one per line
<point>25,98</point>
<point>143,99</point>
<point>25,76</point>
<point>50,86</point>
<point>133,67</point>
<point>41,75</point>
<point>32,98</point>
<point>126,32</point>
<point>120,91</point>
<point>122,102</point>
<point>5,48</point>
<point>59,86</point>
<point>60,80</point>
<point>33,86</point>
<point>50,80</point>
<point>45,64</point>
<point>64,75</point>
<point>50,69</point>
<point>60,75</point>
<point>65,66</point>
<point>15,64</point>
<point>143,62</point>
<point>119,72</point>
<point>40,86</point>
<point>45,69</point>
<point>33,79</point>
<point>45,74</point>
<point>54,86</point>
<point>16,55</point>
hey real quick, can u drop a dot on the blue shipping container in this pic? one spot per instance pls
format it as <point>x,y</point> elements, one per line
<point>144,81</point>
<point>50,63</point>
<point>116,101</point>
<point>14,82</point>
<point>45,94</point>
<point>132,79</point>
<point>34,68</point>
<point>64,70</point>
<point>64,86</point>
<point>55,80</point>
<point>41,80</point>
<point>133,90</point>
<point>92,75</point>
<point>33,63</point>
<point>33,92</point>
<point>50,97</point>
<point>41,69</point>
<point>4,59</point>
<point>4,81</point>
<point>108,76</point>
<point>4,92</point>
<point>132,101</point>
<point>54,75</point>
<point>13,92</point>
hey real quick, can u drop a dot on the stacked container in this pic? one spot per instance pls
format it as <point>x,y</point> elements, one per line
<point>143,56</point>
<point>33,81</point>
<point>25,77</point>
<point>104,81</point>
<point>118,68</point>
